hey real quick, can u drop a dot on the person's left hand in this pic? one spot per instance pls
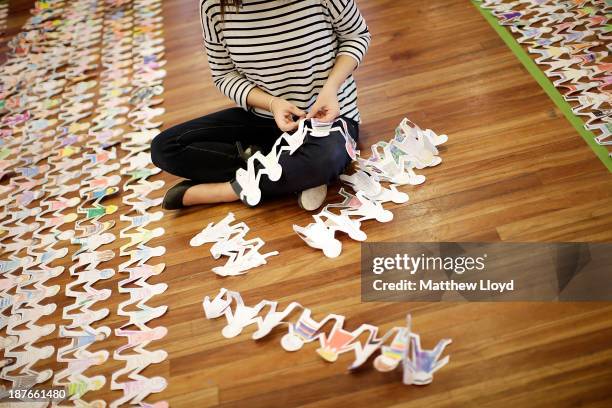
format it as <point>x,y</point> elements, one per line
<point>326,107</point>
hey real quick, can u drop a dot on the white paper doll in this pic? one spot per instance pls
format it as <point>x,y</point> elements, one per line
<point>219,231</point>
<point>273,318</point>
<point>240,317</point>
<point>216,307</point>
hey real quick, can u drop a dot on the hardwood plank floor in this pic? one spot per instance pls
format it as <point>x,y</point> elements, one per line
<point>514,170</point>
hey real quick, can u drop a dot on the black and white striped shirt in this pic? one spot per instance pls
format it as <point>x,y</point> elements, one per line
<point>285,47</point>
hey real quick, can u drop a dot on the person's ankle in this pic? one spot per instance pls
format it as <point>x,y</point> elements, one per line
<point>227,193</point>
<point>188,199</point>
<point>209,194</point>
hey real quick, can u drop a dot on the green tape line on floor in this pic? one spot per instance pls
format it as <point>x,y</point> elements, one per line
<point>548,87</point>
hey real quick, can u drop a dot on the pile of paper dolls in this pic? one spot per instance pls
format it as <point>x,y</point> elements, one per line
<point>77,76</point>
<point>393,163</point>
<point>399,346</point>
<point>571,41</point>
<point>229,240</point>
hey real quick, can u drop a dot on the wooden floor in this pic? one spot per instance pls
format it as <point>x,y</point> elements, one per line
<point>514,170</point>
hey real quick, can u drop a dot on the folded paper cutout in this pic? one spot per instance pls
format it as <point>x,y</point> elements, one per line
<point>392,162</point>
<point>229,241</point>
<point>398,346</point>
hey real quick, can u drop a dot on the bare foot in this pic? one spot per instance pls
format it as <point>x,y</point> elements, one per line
<point>209,194</point>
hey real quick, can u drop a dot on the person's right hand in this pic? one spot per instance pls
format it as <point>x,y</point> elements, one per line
<point>283,112</point>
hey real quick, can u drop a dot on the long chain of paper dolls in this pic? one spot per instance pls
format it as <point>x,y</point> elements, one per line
<point>47,121</point>
<point>564,36</point>
<point>147,75</point>
<point>98,183</point>
<point>25,304</point>
<point>400,346</point>
<point>26,138</point>
<point>391,162</point>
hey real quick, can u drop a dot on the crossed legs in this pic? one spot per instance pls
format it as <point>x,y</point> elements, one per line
<point>207,152</point>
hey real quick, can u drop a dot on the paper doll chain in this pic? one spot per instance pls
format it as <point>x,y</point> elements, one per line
<point>259,165</point>
<point>81,392</point>
<point>229,240</point>
<point>562,37</point>
<point>33,297</point>
<point>399,345</point>
<point>17,339</point>
<point>104,87</point>
<point>138,167</point>
<point>95,187</point>
<point>30,315</point>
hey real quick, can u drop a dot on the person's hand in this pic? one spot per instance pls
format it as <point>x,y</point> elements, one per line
<point>284,112</point>
<point>326,107</point>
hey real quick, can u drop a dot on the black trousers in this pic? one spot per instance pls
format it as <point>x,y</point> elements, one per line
<point>206,150</point>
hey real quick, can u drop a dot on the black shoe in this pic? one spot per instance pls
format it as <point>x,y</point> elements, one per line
<point>173,200</point>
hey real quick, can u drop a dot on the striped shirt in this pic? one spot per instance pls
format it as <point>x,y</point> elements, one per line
<point>287,48</point>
